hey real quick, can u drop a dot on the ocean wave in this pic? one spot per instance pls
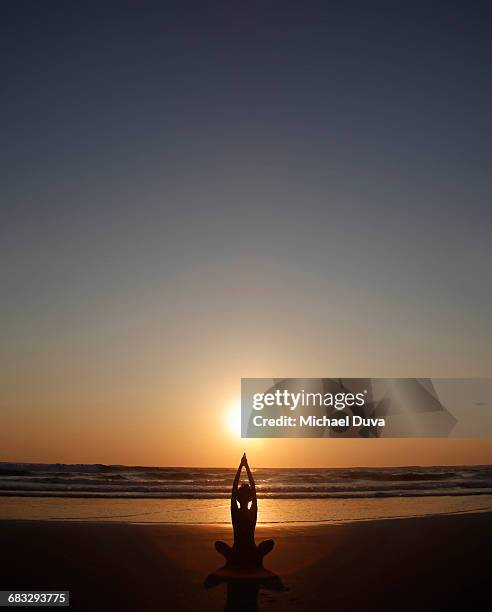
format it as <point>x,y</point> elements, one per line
<point>215,483</point>
<point>226,496</point>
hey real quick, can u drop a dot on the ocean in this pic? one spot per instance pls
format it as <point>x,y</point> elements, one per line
<point>116,481</point>
<point>200,496</point>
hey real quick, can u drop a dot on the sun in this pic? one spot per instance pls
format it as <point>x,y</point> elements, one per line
<point>233,419</point>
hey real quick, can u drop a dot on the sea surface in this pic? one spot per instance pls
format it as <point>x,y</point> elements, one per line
<point>201,495</point>
<point>115,481</point>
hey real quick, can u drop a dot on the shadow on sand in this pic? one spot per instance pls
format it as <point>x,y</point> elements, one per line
<point>243,588</point>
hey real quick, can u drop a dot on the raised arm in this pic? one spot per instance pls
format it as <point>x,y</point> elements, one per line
<point>254,504</point>
<point>235,485</point>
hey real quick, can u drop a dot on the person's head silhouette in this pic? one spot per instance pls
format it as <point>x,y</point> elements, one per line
<point>244,495</point>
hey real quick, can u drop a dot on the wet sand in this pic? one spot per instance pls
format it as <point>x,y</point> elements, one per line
<point>428,563</point>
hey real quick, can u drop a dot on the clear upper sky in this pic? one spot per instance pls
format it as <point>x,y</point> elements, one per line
<point>192,192</point>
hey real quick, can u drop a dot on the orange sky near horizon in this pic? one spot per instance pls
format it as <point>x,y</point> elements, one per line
<point>169,405</point>
<point>222,451</point>
<point>209,438</point>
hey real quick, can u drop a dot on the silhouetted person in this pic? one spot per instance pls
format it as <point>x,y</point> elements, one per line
<point>244,510</point>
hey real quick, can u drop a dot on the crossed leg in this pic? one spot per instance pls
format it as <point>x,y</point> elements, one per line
<point>224,549</point>
<point>265,547</point>
<point>253,557</point>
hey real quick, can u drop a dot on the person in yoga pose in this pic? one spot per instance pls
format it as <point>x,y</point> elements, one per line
<point>244,510</point>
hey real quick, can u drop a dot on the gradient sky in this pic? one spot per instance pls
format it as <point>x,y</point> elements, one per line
<point>192,192</point>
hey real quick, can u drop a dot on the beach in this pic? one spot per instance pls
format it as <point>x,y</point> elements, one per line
<point>429,563</point>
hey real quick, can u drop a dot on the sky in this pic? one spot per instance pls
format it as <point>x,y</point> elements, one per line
<point>195,192</point>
